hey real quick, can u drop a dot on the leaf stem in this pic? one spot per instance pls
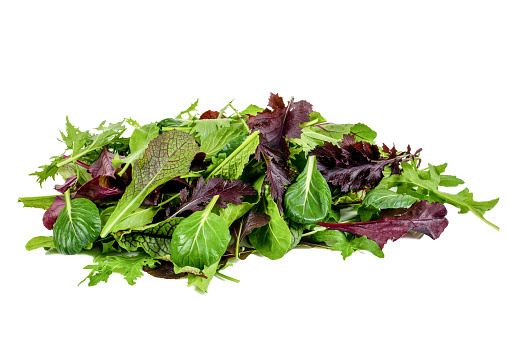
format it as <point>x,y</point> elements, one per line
<point>226,277</point>
<point>240,117</point>
<point>309,123</point>
<point>169,200</point>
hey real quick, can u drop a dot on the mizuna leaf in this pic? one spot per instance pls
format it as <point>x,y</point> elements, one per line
<point>232,167</point>
<point>154,239</point>
<point>131,267</point>
<point>77,225</point>
<point>167,156</point>
<point>424,217</point>
<point>309,199</point>
<point>201,239</point>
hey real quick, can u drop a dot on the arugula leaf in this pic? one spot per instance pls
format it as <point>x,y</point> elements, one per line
<point>77,225</point>
<point>167,156</point>
<point>309,199</point>
<point>43,202</point>
<point>201,239</point>
<point>347,245</point>
<point>462,200</point>
<point>131,267</point>
<point>40,241</point>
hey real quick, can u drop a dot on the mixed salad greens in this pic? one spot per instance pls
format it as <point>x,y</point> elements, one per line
<point>186,196</point>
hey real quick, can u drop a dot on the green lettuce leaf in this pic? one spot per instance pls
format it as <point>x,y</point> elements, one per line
<point>43,202</point>
<point>40,241</point>
<point>383,199</point>
<point>167,156</point>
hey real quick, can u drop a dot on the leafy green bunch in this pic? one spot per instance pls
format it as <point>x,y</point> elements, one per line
<point>189,195</point>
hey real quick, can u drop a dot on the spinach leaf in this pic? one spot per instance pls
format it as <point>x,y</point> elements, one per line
<point>309,199</point>
<point>383,198</point>
<point>201,239</point>
<point>274,239</point>
<point>77,225</point>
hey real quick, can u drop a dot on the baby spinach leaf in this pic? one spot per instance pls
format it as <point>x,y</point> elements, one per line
<point>347,244</point>
<point>77,225</point>
<point>309,199</point>
<point>201,239</point>
<point>273,239</point>
<point>167,156</point>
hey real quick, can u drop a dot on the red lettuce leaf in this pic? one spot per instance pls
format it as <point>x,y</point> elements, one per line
<point>69,182</point>
<point>229,191</point>
<point>51,214</point>
<point>103,165</point>
<point>422,216</point>
<point>353,166</point>
<point>211,115</point>
<point>245,225</point>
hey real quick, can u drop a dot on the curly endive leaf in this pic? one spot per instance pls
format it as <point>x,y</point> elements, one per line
<point>154,239</point>
<point>167,156</point>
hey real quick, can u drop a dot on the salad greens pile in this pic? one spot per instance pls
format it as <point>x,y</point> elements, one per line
<point>187,196</point>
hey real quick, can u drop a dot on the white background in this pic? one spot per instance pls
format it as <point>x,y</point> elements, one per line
<point>429,73</point>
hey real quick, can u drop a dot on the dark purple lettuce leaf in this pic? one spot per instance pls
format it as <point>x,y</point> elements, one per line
<point>103,165</point>
<point>246,224</point>
<point>69,182</point>
<point>229,191</point>
<point>51,214</point>
<point>422,216</point>
<point>97,188</point>
<point>353,166</point>
<point>278,176</point>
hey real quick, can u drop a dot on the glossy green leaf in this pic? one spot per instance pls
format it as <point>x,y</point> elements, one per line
<point>77,225</point>
<point>139,141</point>
<point>272,240</point>
<point>383,198</point>
<point>218,139</point>
<point>347,244</point>
<point>167,156</point>
<point>38,242</point>
<point>309,199</point>
<point>202,282</point>
<point>201,239</point>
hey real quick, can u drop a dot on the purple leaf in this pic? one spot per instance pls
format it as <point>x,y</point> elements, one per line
<point>422,216</point>
<point>278,176</point>
<point>51,214</point>
<point>69,182</point>
<point>245,225</point>
<point>103,165</point>
<point>229,191</point>
<point>97,188</point>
